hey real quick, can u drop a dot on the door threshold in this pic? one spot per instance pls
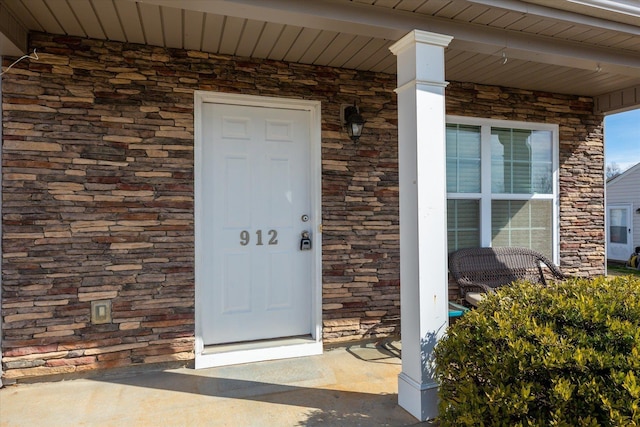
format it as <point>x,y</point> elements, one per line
<point>257,351</point>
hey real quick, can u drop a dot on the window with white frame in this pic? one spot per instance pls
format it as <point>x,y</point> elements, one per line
<point>501,184</point>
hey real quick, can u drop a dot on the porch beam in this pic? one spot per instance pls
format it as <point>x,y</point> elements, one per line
<point>423,219</point>
<point>618,101</point>
<point>384,23</point>
<point>13,36</point>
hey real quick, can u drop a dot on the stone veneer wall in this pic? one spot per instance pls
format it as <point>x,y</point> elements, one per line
<point>98,196</point>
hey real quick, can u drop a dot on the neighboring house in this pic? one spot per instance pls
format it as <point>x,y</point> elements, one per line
<point>623,214</point>
<point>162,158</point>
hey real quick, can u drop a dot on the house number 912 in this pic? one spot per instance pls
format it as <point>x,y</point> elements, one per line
<point>245,237</point>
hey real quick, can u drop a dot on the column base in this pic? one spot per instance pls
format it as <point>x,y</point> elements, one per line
<point>420,400</point>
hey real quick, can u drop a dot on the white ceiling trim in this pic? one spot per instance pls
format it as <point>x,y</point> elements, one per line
<point>379,22</point>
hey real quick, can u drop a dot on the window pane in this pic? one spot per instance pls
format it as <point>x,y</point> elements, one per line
<point>540,242</point>
<point>618,226</point>
<point>618,234</point>
<point>519,144</point>
<point>521,161</point>
<point>452,141</point>
<point>500,238</point>
<point>500,150</point>
<point>452,175</point>
<point>468,173</point>
<point>500,215</point>
<point>520,238</point>
<point>542,155</point>
<point>542,178</point>
<point>467,239</point>
<point>541,145</point>
<point>522,223</point>
<point>463,224</point>
<point>469,142</point>
<point>542,214</point>
<point>463,159</point>
<point>498,179</point>
<point>521,183</point>
<point>519,214</point>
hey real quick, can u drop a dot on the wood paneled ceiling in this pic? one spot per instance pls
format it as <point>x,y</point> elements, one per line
<point>564,46</point>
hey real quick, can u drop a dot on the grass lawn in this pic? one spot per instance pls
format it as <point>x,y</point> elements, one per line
<point>621,270</point>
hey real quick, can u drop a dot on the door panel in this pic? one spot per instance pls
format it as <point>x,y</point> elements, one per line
<point>238,209</point>
<point>280,290</point>
<point>280,212</point>
<point>619,233</point>
<point>256,187</point>
<point>235,286</point>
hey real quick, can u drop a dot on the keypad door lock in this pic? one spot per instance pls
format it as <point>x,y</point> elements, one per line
<point>305,242</point>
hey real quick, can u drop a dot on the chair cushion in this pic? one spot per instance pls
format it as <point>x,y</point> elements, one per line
<point>474,298</point>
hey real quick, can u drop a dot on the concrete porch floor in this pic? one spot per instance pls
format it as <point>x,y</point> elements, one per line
<point>354,385</point>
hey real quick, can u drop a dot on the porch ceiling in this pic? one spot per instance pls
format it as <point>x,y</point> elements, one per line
<point>585,47</point>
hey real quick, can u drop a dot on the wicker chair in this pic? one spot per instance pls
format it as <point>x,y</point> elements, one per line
<point>480,270</point>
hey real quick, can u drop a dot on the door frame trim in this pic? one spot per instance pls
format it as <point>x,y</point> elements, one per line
<point>269,349</point>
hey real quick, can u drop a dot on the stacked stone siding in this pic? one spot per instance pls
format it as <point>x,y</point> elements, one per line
<point>98,195</point>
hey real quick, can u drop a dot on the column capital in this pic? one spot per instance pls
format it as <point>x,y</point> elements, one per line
<point>418,36</point>
<point>420,57</point>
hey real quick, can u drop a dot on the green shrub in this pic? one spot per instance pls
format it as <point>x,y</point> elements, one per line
<point>564,355</point>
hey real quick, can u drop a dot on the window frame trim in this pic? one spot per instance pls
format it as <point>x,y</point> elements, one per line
<point>485,193</point>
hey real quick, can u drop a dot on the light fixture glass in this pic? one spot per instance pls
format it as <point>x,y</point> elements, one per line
<point>353,122</point>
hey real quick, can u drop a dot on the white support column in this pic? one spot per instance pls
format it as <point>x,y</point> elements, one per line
<point>423,219</point>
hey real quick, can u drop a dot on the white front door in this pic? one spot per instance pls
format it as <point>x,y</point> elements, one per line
<point>255,282</point>
<point>619,233</point>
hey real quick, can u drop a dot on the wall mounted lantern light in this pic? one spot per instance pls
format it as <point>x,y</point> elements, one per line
<point>354,122</point>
